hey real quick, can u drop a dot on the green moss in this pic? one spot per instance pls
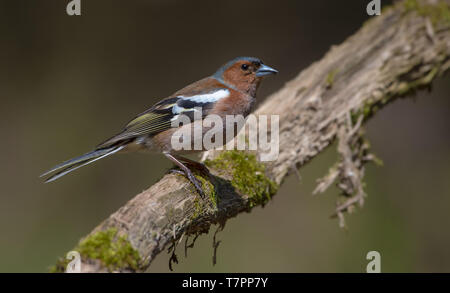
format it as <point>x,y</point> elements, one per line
<point>114,251</point>
<point>209,189</point>
<point>60,266</point>
<point>197,208</point>
<point>329,81</point>
<point>410,5</point>
<point>248,175</point>
<point>437,13</point>
<point>207,186</point>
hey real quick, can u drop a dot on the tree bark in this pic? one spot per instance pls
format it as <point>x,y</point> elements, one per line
<point>391,56</point>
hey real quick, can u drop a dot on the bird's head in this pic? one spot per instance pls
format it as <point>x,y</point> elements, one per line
<point>244,73</point>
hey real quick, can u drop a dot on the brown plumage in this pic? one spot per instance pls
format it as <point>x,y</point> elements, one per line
<point>230,91</point>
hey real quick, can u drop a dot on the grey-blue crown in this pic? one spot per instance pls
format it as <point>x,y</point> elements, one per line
<point>221,70</point>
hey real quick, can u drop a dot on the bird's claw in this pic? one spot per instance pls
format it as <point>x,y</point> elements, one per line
<point>192,179</point>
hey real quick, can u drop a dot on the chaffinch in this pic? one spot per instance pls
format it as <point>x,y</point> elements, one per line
<point>231,90</point>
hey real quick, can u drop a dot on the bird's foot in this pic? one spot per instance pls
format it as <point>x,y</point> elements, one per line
<point>190,176</point>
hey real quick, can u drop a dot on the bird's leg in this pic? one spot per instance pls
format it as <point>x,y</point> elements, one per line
<point>187,173</point>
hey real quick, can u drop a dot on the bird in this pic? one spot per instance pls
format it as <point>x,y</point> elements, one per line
<point>231,90</point>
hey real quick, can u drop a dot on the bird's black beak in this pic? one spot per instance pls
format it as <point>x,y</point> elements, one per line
<point>264,70</point>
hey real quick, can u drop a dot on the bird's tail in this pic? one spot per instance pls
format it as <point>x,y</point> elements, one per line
<point>78,162</point>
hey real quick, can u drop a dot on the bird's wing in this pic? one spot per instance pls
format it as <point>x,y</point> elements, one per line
<point>162,115</point>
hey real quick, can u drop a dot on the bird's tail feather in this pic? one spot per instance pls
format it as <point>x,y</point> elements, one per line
<point>78,162</point>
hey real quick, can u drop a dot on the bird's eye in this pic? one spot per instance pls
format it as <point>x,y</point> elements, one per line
<point>244,66</point>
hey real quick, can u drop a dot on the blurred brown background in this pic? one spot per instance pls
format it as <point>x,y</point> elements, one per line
<point>67,83</point>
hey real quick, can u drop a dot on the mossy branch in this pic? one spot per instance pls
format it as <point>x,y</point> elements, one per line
<point>391,56</point>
